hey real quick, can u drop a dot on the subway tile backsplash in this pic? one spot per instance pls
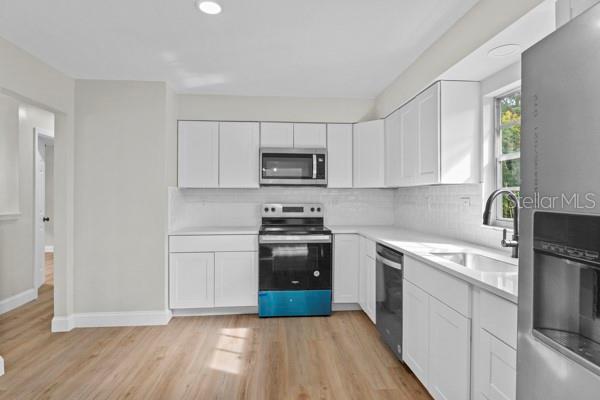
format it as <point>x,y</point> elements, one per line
<point>241,207</point>
<point>447,210</point>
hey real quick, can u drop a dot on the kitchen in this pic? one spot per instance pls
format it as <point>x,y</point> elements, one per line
<point>376,237</point>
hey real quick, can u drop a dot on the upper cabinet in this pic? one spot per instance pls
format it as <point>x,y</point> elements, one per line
<point>339,153</point>
<point>218,154</point>
<point>238,154</point>
<point>198,154</point>
<point>434,138</point>
<point>290,135</point>
<point>276,134</point>
<point>311,136</point>
<point>369,154</point>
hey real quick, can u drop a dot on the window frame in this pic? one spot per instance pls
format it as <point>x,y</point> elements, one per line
<point>499,157</point>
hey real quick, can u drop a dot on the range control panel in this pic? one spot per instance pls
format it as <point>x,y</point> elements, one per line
<point>292,210</point>
<point>566,251</point>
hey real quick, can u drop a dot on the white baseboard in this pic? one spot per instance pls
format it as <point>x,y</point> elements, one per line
<point>111,319</point>
<point>49,249</point>
<point>1,366</point>
<point>345,307</point>
<point>198,312</point>
<point>18,300</point>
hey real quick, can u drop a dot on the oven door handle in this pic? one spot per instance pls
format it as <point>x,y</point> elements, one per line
<point>267,239</point>
<point>385,261</point>
<point>314,175</point>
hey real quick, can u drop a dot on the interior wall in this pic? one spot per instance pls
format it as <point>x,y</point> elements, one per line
<point>9,157</point>
<point>241,108</point>
<point>486,19</point>
<point>17,235</point>
<point>120,196</point>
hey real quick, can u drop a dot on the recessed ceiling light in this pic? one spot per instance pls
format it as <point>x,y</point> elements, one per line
<point>208,7</point>
<point>505,50</point>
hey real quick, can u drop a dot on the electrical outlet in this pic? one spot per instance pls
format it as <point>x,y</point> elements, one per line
<point>466,201</point>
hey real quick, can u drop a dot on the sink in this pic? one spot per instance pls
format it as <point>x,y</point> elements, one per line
<point>477,262</point>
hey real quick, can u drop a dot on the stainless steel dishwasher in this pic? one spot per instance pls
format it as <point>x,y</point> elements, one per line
<point>388,295</point>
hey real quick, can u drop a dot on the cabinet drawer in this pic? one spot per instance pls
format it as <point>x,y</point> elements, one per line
<point>451,291</point>
<point>214,243</point>
<point>499,317</point>
<point>368,247</point>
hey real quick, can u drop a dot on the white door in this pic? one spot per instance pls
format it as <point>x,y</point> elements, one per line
<point>449,353</point>
<point>339,155</point>
<point>238,154</point>
<point>429,134</point>
<point>409,143</point>
<point>369,152</point>
<point>371,269</point>
<point>362,279</point>
<point>346,265</point>
<point>310,136</point>
<point>198,154</point>
<point>393,149</point>
<point>497,374</point>
<point>40,208</point>
<point>191,280</point>
<point>415,334</point>
<point>236,279</point>
<point>276,134</point>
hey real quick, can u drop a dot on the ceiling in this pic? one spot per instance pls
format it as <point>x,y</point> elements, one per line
<point>310,48</point>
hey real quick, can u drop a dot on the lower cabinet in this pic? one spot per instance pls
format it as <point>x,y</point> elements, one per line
<point>346,265</point>
<point>206,280</point>
<point>497,369</point>
<point>236,279</point>
<point>191,283</point>
<point>367,279</point>
<point>436,344</point>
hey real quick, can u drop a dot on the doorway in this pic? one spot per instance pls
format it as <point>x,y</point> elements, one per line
<point>44,206</point>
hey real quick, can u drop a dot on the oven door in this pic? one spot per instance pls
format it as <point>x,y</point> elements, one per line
<point>294,275</point>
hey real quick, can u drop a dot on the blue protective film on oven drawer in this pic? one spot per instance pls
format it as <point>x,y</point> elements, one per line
<point>290,303</point>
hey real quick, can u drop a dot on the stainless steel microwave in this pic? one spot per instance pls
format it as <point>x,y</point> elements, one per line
<point>284,166</point>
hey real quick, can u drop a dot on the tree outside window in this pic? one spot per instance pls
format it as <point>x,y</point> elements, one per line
<point>508,148</point>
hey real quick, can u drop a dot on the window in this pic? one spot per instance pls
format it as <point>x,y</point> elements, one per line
<point>508,149</point>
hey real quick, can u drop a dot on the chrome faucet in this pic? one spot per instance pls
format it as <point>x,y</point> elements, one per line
<point>514,242</point>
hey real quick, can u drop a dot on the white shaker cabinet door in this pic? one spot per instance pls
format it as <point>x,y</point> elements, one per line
<point>449,376</point>
<point>276,134</point>
<point>238,154</point>
<point>236,279</point>
<point>497,374</point>
<point>191,280</point>
<point>415,335</point>
<point>339,153</point>
<point>393,149</point>
<point>198,154</point>
<point>428,136</point>
<point>310,136</point>
<point>346,264</point>
<point>409,143</point>
<point>368,160</point>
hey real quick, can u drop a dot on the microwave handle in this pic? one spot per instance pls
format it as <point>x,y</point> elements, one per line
<point>314,176</point>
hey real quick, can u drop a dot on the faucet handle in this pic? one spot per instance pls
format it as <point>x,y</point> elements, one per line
<point>504,237</point>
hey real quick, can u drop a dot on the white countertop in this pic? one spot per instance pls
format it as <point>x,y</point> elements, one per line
<point>419,245</point>
<point>216,230</point>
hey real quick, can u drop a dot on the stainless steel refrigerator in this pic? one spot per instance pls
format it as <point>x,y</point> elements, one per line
<point>558,353</point>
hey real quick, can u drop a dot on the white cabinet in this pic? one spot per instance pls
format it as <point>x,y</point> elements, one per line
<point>415,332</point>
<point>436,337</point>
<point>276,134</point>
<point>368,160</point>
<point>339,155</point>
<point>191,283</point>
<point>238,154</point>
<point>435,136</point>
<point>236,279</point>
<point>346,266</point>
<point>497,369</point>
<point>449,376</point>
<point>198,154</point>
<point>312,136</point>
<point>367,280</point>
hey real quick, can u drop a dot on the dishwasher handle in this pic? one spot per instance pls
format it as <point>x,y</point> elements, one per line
<point>390,263</point>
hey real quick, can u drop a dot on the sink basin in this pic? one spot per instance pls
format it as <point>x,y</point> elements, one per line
<point>477,262</point>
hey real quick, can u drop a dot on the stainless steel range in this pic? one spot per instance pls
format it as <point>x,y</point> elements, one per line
<point>295,261</point>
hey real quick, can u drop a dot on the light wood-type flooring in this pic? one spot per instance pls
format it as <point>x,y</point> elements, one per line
<point>220,357</point>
